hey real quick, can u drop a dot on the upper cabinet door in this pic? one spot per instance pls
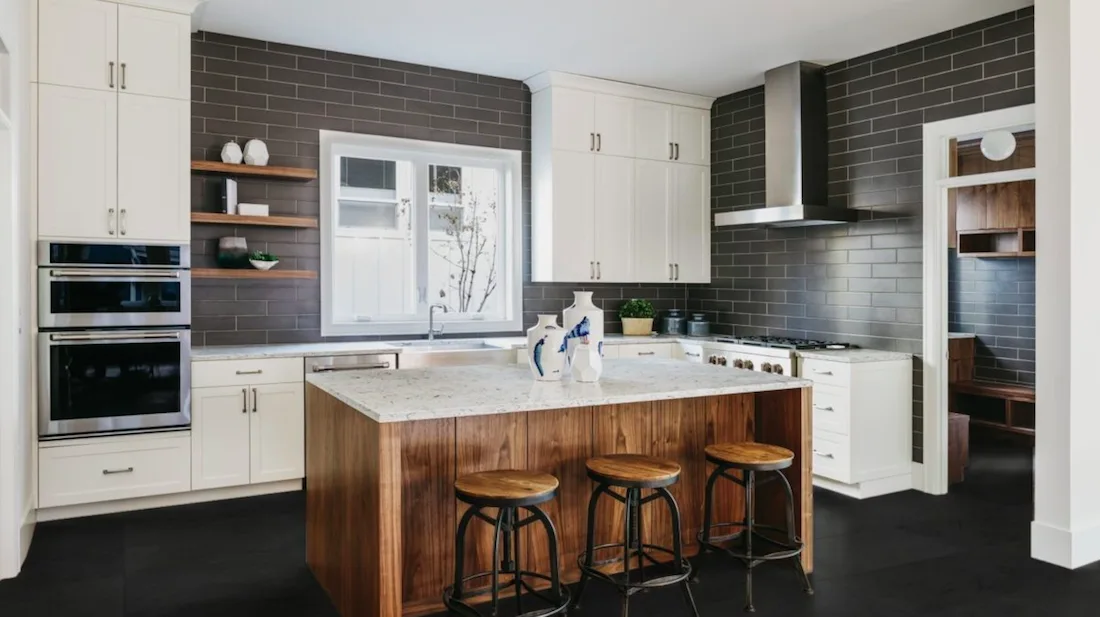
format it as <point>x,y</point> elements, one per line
<point>573,120</point>
<point>77,163</point>
<point>653,131</point>
<point>154,52</point>
<point>691,132</point>
<point>690,227</point>
<point>78,44</point>
<point>278,435</point>
<point>652,194</point>
<point>570,236</point>
<point>614,219</point>
<point>154,191</point>
<point>614,125</point>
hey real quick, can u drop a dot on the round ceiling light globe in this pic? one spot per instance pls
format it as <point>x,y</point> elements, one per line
<point>998,145</point>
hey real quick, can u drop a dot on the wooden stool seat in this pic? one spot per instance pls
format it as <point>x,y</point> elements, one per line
<point>633,470</point>
<point>750,455</point>
<point>506,487</point>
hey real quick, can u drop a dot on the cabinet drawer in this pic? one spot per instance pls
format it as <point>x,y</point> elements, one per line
<point>829,373</point>
<point>832,456</point>
<point>218,373</point>
<point>88,473</point>
<point>832,409</point>
<point>661,350</point>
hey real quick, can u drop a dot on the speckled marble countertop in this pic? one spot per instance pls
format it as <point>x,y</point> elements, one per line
<point>451,392</point>
<point>854,355</point>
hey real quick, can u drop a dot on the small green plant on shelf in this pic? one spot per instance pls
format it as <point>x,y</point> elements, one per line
<point>262,261</point>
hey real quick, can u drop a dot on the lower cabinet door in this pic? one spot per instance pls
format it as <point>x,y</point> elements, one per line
<point>278,432</point>
<point>220,420</point>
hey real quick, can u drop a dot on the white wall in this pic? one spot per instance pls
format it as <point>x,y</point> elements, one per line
<point>16,431</point>
<point>1066,530</point>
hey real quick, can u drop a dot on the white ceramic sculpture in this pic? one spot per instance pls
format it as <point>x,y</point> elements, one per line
<point>231,153</point>
<point>587,363</point>
<point>255,153</point>
<point>546,349</point>
<point>583,323</point>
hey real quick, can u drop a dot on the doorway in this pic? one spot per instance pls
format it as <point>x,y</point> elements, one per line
<point>979,175</point>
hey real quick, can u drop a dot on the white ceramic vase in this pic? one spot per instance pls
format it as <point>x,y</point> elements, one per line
<point>587,363</point>
<point>231,153</point>
<point>546,349</point>
<point>255,153</point>
<point>583,323</point>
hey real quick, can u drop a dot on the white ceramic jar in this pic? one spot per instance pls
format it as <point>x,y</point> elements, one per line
<point>546,349</point>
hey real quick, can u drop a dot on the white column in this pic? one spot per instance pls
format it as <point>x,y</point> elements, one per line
<point>1066,530</point>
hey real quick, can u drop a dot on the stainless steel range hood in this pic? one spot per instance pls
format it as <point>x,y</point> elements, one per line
<point>795,153</point>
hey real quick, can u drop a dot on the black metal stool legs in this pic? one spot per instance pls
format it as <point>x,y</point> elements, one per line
<point>793,539</point>
<point>678,548</point>
<point>507,528</point>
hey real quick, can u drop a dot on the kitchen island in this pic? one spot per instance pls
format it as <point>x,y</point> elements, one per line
<point>383,449</point>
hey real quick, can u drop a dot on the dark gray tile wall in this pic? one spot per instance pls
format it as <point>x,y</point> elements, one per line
<point>858,282</point>
<point>283,94</point>
<point>995,299</point>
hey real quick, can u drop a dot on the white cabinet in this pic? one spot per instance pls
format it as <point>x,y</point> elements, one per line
<point>862,419</point>
<point>77,157</point>
<point>252,431</point>
<point>606,162</point>
<point>154,52</point>
<point>154,138</point>
<point>78,44</point>
<point>219,437</point>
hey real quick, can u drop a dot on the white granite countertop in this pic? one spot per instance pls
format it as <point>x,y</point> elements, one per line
<point>854,355</point>
<point>451,392</point>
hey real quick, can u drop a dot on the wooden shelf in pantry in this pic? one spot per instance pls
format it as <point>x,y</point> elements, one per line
<point>264,171</point>
<point>217,218</point>
<point>230,273</point>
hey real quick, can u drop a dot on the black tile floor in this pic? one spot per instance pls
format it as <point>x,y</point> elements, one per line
<point>903,555</point>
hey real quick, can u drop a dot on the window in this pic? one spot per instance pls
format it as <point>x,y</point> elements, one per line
<point>407,224</point>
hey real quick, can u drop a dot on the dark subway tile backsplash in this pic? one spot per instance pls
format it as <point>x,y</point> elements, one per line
<point>283,94</point>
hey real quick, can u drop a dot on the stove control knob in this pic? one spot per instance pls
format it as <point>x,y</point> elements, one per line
<point>767,367</point>
<point>738,364</point>
<point>723,361</point>
<point>748,364</point>
<point>777,369</point>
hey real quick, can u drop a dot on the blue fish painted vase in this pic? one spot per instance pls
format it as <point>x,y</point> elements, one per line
<point>583,323</point>
<point>546,349</point>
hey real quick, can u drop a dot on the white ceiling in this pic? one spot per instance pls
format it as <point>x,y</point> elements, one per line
<point>710,47</point>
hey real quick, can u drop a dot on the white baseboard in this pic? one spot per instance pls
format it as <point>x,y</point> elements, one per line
<point>868,489</point>
<point>1065,548</point>
<point>26,531</point>
<point>918,477</point>
<point>163,501</point>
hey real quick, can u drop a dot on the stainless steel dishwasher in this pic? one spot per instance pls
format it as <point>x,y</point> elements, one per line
<point>329,364</point>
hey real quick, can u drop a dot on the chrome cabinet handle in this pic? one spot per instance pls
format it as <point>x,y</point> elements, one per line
<point>591,141</point>
<point>351,367</point>
<point>122,222</point>
<point>817,372</point>
<point>670,150</point>
<point>823,408</point>
<point>691,355</point>
<point>111,74</point>
<point>647,353</point>
<point>592,270</point>
<point>599,272</point>
<point>677,271</point>
<point>122,75</point>
<point>599,142</point>
<point>244,399</point>
<point>670,272</point>
<point>111,221</point>
<point>255,372</point>
<point>111,472</point>
<point>823,454</point>
<point>254,397</point>
<point>677,145</point>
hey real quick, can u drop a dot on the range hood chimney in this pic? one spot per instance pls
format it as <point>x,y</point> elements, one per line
<point>795,153</point>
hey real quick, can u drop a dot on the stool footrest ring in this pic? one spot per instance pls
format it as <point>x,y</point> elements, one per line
<point>627,587</point>
<point>462,606</point>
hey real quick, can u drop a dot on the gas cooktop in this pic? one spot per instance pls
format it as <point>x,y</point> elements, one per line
<point>781,342</point>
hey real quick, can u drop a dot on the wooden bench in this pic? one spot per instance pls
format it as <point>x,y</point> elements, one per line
<point>1010,393</point>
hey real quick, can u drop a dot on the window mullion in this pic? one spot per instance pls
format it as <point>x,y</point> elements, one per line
<point>421,194</point>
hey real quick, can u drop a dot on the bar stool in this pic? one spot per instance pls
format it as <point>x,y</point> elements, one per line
<point>633,473</point>
<point>509,491</point>
<point>752,458</point>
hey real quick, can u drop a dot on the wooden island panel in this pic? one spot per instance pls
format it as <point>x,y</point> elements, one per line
<point>381,512</point>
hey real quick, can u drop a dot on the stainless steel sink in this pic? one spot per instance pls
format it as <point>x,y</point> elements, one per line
<point>421,354</point>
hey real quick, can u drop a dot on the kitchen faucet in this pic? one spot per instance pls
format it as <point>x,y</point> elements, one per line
<point>432,331</point>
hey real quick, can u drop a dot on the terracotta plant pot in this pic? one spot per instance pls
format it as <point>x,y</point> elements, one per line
<point>636,326</point>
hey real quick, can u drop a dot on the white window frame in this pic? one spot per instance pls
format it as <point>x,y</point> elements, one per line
<point>335,144</point>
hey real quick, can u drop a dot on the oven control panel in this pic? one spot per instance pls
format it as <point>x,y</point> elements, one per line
<point>735,358</point>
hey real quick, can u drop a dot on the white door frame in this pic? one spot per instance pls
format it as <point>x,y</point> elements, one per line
<point>937,183</point>
<point>10,518</point>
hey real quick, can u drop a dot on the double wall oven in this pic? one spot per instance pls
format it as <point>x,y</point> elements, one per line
<point>114,340</point>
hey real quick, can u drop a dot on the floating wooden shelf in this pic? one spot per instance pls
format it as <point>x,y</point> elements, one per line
<point>996,243</point>
<point>229,273</point>
<point>286,173</point>
<point>217,218</point>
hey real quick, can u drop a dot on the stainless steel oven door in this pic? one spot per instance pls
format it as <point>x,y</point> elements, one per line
<point>108,297</point>
<point>113,381</point>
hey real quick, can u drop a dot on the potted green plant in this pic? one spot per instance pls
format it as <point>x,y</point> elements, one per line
<point>263,261</point>
<point>637,316</point>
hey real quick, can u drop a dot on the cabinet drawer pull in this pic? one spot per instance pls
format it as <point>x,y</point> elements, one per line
<point>823,408</point>
<point>677,145</point>
<point>670,150</point>
<point>111,75</point>
<point>670,272</point>
<point>122,220</point>
<point>255,372</point>
<point>592,270</point>
<point>111,472</point>
<point>351,367</point>
<point>691,355</point>
<point>647,353</point>
<point>244,400</point>
<point>599,272</point>
<point>122,75</point>
<point>677,272</point>
<point>817,372</point>
<point>823,454</point>
<point>254,397</point>
<point>591,142</point>
<point>111,221</point>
